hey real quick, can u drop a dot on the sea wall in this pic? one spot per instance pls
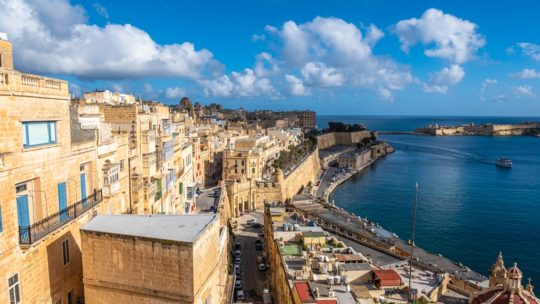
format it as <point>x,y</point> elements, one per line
<point>486,129</point>
<point>341,139</point>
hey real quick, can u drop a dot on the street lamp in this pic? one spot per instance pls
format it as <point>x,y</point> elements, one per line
<point>412,243</point>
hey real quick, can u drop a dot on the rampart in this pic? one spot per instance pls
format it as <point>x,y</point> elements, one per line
<point>341,139</point>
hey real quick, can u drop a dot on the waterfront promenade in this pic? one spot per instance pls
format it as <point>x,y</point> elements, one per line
<point>369,234</point>
<point>385,248</point>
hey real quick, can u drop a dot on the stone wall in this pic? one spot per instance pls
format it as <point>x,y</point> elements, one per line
<point>301,176</point>
<point>341,139</point>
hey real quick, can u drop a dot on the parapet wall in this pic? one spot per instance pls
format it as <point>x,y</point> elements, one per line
<point>300,177</point>
<point>341,139</point>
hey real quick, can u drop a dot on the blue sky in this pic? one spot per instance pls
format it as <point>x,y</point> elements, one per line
<point>334,57</point>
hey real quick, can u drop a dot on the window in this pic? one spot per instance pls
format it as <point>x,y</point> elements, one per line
<point>38,133</point>
<point>181,188</point>
<point>65,251</point>
<point>1,228</point>
<point>122,165</point>
<point>14,294</point>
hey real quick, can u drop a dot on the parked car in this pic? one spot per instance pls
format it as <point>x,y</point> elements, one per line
<point>258,247</point>
<point>237,246</point>
<point>238,284</point>
<point>258,242</point>
<point>237,270</point>
<point>237,253</point>
<point>260,259</point>
<point>256,225</point>
<point>262,267</point>
<point>237,260</point>
<point>240,295</point>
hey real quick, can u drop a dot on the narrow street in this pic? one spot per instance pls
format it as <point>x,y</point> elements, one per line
<point>253,279</point>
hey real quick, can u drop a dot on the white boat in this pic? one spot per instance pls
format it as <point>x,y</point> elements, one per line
<point>504,162</point>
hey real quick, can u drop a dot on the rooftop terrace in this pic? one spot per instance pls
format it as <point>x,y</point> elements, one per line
<point>178,228</point>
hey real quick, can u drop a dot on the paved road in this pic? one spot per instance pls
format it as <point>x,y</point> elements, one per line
<point>205,200</point>
<point>326,180</point>
<point>252,279</point>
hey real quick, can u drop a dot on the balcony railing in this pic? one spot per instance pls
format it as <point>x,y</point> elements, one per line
<point>30,234</point>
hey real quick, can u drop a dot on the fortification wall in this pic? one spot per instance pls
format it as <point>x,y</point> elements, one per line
<point>340,139</point>
<point>304,174</point>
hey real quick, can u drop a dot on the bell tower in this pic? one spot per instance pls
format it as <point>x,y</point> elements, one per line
<point>497,273</point>
<point>6,52</point>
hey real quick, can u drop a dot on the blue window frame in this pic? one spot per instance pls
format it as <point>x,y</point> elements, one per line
<point>37,133</point>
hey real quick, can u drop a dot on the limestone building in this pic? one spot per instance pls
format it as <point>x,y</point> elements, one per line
<point>154,259</point>
<point>50,187</point>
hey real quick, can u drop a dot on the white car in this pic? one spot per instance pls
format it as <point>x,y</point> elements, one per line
<point>237,253</point>
<point>240,295</point>
<point>237,261</point>
<point>262,267</point>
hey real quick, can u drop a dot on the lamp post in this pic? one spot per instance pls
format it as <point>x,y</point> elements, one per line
<point>412,243</point>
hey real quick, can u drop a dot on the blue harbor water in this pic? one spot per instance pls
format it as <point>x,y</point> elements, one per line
<point>468,210</point>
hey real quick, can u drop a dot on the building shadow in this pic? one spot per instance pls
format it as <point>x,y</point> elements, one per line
<point>64,260</point>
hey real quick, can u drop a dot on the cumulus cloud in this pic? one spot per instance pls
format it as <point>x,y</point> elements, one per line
<point>296,86</point>
<point>51,36</point>
<point>175,93</point>
<point>440,81</point>
<point>526,74</point>
<point>317,73</point>
<point>530,49</point>
<point>523,91</point>
<point>265,65</point>
<point>331,52</point>
<point>244,84</point>
<point>454,39</point>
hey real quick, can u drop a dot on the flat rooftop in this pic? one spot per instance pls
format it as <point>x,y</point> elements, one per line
<point>178,228</point>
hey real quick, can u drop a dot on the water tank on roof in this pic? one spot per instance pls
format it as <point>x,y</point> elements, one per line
<point>337,280</point>
<point>296,227</point>
<point>330,280</point>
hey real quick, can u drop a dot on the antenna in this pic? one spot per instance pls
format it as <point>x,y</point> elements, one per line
<point>412,242</point>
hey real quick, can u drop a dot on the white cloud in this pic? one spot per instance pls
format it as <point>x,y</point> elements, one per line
<point>296,86</point>
<point>526,74</point>
<point>117,87</point>
<point>454,39</point>
<point>175,93</point>
<point>256,37</point>
<point>265,65</point>
<point>244,84</point>
<point>51,36</point>
<point>487,83</point>
<point>373,35</point>
<point>101,10</point>
<point>530,49</point>
<point>331,52</point>
<point>523,91</point>
<point>440,81</point>
<point>317,73</point>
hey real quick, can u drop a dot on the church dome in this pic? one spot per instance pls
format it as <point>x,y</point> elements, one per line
<point>514,272</point>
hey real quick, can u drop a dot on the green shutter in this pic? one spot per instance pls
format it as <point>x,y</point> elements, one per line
<point>181,188</point>
<point>158,189</point>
